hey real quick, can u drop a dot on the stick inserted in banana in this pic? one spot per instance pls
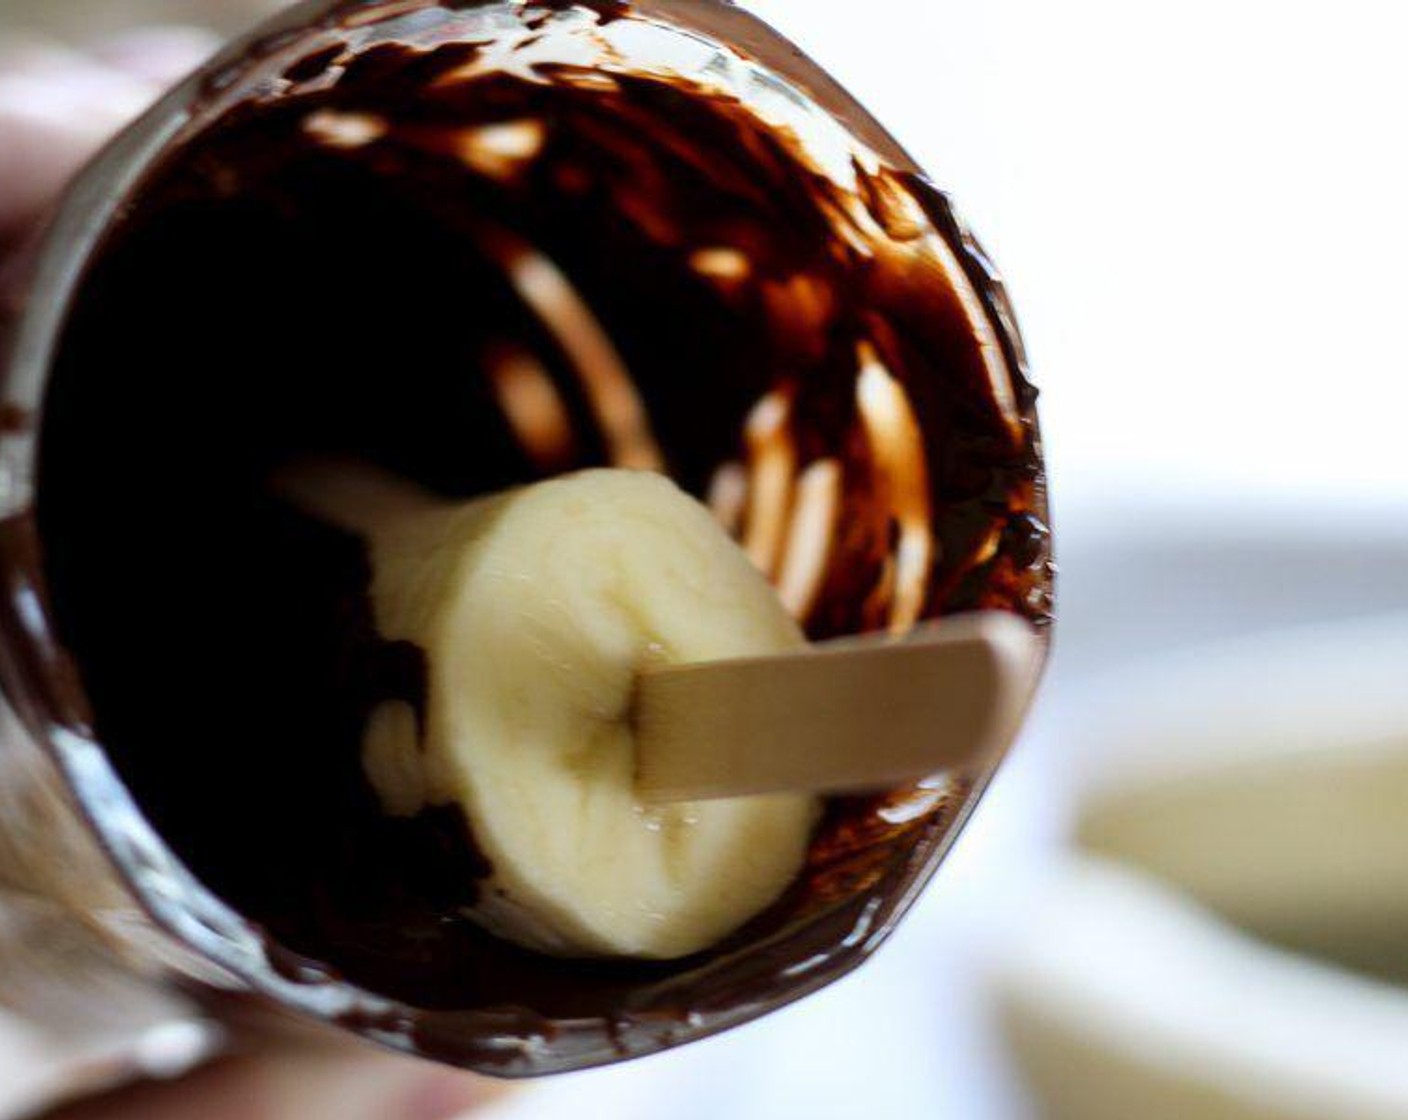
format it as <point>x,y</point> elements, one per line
<point>536,609</point>
<point>598,649</point>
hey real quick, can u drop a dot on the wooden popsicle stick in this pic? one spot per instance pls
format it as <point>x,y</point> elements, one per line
<point>850,716</point>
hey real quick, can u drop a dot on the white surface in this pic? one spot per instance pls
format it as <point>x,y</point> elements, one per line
<point>1264,701</point>
<point>1199,209</point>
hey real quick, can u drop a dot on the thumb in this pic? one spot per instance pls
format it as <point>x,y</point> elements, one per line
<point>58,106</point>
<point>294,1084</point>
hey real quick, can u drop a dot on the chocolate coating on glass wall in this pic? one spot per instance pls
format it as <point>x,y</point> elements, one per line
<point>477,262</point>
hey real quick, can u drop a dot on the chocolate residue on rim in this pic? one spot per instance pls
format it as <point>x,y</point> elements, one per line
<point>394,250</point>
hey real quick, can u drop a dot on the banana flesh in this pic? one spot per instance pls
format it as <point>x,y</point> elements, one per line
<point>536,609</point>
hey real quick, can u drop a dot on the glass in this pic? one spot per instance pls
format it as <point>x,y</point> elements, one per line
<point>729,271</point>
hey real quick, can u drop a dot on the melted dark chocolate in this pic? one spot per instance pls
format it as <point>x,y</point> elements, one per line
<point>322,272</point>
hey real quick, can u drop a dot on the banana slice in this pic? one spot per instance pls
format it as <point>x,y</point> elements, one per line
<point>1135,1002</point>
<point>536,609</point>
<point>1268,778</point>
<point>1256,794</point>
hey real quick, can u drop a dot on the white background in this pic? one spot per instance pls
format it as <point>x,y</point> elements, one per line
<point>1200,210</point>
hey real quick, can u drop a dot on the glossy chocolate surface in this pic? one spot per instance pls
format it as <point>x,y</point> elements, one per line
<point>390,244</point>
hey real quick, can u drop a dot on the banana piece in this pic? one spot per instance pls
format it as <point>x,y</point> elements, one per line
<point>1256,795</point>
<point>1133,1001</point>
<point>536,609</point>
<point>1268,778</point>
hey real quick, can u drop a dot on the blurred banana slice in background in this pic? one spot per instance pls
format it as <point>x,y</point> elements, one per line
<point>1257,796</point>
<point>1135,1002</point>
